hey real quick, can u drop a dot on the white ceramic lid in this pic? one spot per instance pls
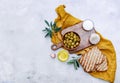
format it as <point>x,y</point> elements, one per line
<point>94,38</point>
<point>88,25</point>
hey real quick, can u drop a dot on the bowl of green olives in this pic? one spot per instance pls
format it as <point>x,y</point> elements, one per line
<point>71,40</point>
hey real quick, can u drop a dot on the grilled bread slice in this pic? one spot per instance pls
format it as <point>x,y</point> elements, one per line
<point>103,66</point>
<point>93,60</point>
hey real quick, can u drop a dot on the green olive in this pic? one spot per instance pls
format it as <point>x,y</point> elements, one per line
<point>72,47</point>
<point>65,44</point>
<point>75,39</point>
<point>77,43</point>
<point>72,43</point>
<point>66,36</point>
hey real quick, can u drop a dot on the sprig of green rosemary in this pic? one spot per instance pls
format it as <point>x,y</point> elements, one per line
<point>75,62</point>
<point>51,28</point>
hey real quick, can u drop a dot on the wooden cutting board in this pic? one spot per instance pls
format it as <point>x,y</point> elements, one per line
<point>83,34</point>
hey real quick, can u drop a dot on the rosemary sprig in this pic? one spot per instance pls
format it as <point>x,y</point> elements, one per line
<point>51,28</point>
<point>75,62</point>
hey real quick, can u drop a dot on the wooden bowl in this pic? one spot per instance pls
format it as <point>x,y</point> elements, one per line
<point>64,38</point>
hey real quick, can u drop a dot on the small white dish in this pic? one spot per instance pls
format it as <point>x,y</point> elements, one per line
<point>94,38</point>
<point>88,25</point>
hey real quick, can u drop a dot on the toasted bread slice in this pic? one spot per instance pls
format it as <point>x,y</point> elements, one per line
<point>93,60</point>
<point>103,66</point>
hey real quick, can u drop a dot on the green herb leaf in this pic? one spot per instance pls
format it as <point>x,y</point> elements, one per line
<point>47,22</point>
<point>51,25</point>
<point>54,25</point>
<point>44,30</point>
<point>50,34</point>
<point>47,29</point>
<point>75,62</point>
<point>70,62</point>
<point>47,35</point>
<point>57,29</point>
<point>75,65</point>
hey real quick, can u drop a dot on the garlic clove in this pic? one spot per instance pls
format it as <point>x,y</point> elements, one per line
<point>53,55</point>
